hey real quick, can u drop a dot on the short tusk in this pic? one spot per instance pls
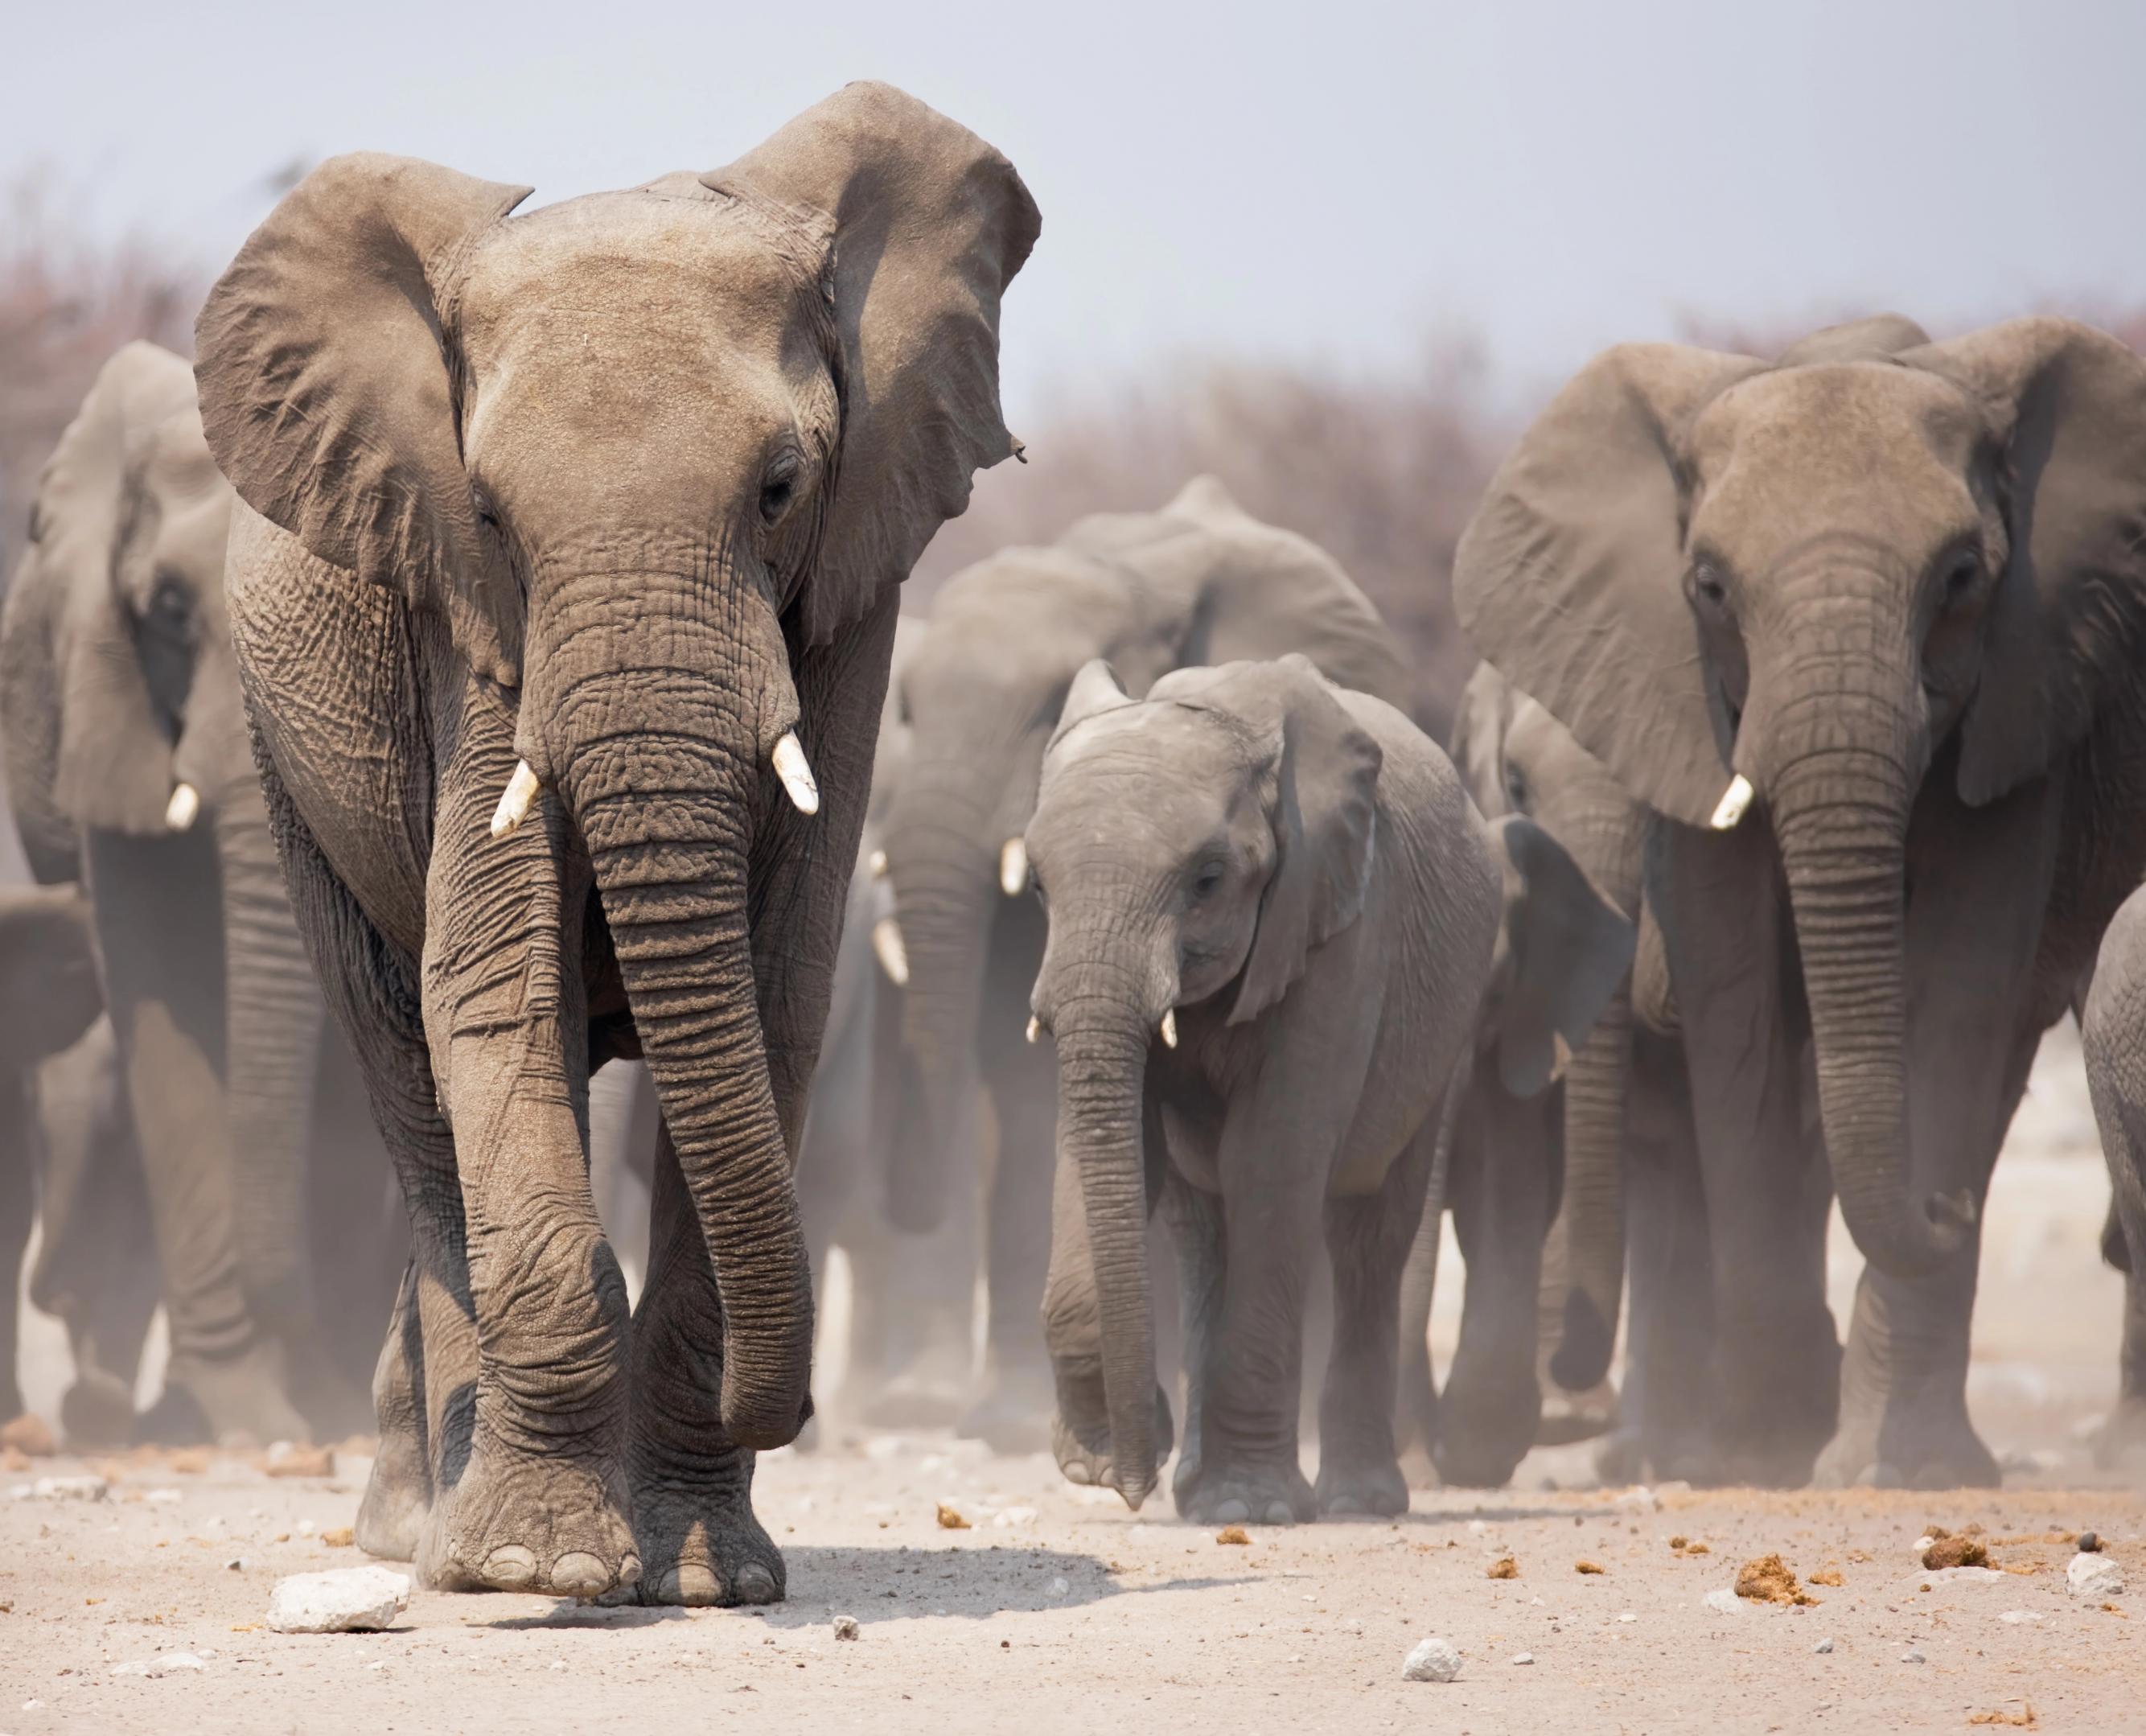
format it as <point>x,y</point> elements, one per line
<point>180,811</point>
<point>1734,800</point>
<point>1013,866</point>
<point>792,766</point>
<point>878,865</point>
<point>888,949</point>
<point>1034,1030</point>
<point>1170,1028</point>
<point>514,805</point>
<point>1560,1053</point>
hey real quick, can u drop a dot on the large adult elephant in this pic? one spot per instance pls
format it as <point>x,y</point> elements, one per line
<point>1200,582</point>
<point>571,552</point>
<point>1859,625</point>
<point>129,769</point>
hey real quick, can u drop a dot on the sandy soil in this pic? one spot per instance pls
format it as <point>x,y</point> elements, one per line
<point>1057,1609</point>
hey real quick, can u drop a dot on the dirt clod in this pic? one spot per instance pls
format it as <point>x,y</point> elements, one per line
<point>1826,1576</point>
<point>1767,1579</point>
<point>1589,1567</point>
<point>1235,1535</point>
<point>340,1537</point>
<point>1679,1543</point>
<point>951,1520</point>
<point>1504,1567</point>
<point>2023,1720</point>
<point>1950,1551</point>
<point>29,1434</point>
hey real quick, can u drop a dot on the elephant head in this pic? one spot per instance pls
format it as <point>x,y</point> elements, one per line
<point>1199,581</point>
<point>643,453</point>
<point>1809,584</point>
<point>1517,760</point>
<point>1191,847</point>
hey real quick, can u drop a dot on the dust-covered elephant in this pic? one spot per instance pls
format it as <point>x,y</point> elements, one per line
<point>564,588</point>
<point>1859,625</point>
<point>2112,1033</point>
<point>129,769</point>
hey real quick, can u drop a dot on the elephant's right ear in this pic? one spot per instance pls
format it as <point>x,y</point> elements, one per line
<point>1095,690</point>
<point>930,224</point>
<point>1569,576</point>
<point>1478,748</point>
<point>1567,949</point>
<point>328,397</point>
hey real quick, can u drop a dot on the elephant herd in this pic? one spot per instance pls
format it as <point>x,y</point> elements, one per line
<point>483,669</point>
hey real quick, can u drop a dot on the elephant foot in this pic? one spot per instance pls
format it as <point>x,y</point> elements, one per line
<point>1012,1415</point>
<point>1943,1454</point>
<point>398,1499</point>
<point>517,1522</point>
<point>1249,1494</point>
<point>2121,1439</point>
<point>925,1394</point>
<point>1620,1460</point>
<point>1466,1461</point>
<point>240,1400</point>
<point>1083,1451</point>
<point>98,1412</point>
<point>702,1544</point>
<point>1568,1417</point>
<point>1360,1490</point>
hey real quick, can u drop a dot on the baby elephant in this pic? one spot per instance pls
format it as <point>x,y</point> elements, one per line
<point>2112,1032</point>
<point>1272,914</point>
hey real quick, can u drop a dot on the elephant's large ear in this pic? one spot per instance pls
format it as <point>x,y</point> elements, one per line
<point>1569,577</point>
<point>328,397</point>
<point>1478,750</point>
<point>112,766</point>
<point>1567,947</point>
<point>930,224</point>
<point>1324,808</point>
<point>2069,404</point>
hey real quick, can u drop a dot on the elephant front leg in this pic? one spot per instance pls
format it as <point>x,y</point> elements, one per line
<point>542,1504</point>
<point>1368,1238</point>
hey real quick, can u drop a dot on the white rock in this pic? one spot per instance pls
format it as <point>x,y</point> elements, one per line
<point>2016,1616</point>
<point>1923,1542</point>
<point>845,1627</point>
<point>33,1705</point>
<point>236,1564</point>
<point>1008,1517</point>
<point>1433,1661</point>
<point>1954,1576</point>
<point>163,1664</point>
<point>1822,1647</point>
<point>307,1528</point>
<point>1912,1656</point>
<point>1725,1602</point>
<point>1477,1528</point>
<point>1058,1588</point>
<point>70,1488</point>
<point>1626,1615</point>
<point>162,1497</point>
<point>2094,1576</point>
<point>1640,1499</point>
<point>1524,1657</point>
<point>349,1600</point>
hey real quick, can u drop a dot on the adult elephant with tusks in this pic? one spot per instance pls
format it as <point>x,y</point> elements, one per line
<point>1199,581</point>
<point>564,592</point>
<point>1862,625</point>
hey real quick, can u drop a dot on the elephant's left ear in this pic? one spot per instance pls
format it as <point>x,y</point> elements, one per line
<point>2069,404</point>
<point>930,224</point>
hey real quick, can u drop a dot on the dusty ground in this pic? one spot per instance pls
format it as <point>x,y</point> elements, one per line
<point>1057,1607</point>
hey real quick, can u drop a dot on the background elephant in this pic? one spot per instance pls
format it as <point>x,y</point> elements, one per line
<point>2112,1033</point>
<point>606,507</point>
<point>129,769</point>
<point>1563,953</point>
<point>1852,623</point>
<point>1272,916</point>
<point>1198,582</point>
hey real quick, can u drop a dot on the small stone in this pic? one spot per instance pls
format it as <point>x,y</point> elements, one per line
<point>349,1600</point>
<point>1824,1648</point>
<point>1477,1528</point>
<point>1234,1535</point>
<point>163,1664</point>
<point>30,1435</point>
<point>1626,1615</point>
<point>1433,1661</point>
<point>71,1488</point>
<point>307,1528</point>
<point>1524,1657</point>
<point>2089,1542</point>
<point>1956,1576</point>
<point>1060,1587</point>
<point>1913,1656</point>
<point>2018,1617</point>
<point>1007,1518</point>
<point>2094,1576</point>
<point>845,1627</point>
<point>236,1564</point>
<point>162,1497</point>
<point>950,1518</point>
<point>1724,1602</point>
<point>1503,1567</point>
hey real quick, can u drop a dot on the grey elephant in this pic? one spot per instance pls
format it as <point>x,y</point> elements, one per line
<point>564,589</point>
<point>2112,1033</point>
<point>1853,624</point>
<point>1563,961</point>
<point>129,769</point>
<point>1272,916</point>
<point>1199,581</point>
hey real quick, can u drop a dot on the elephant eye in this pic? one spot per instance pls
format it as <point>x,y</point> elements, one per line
<point>1205,883</point>
<point>1516,788</point>
<point>778,490</point>
<point>1708,586</point>
<point>487,515</point>
<point>170,605</point>
<point>1962,577</point>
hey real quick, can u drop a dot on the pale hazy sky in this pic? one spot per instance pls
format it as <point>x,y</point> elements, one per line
<point>1325,183</point>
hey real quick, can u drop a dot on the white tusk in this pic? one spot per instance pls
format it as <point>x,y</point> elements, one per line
<point>878,865</point>
<point>1170,1028</point>
<point>796,772</point>
<point>1013,866</point>
<point>1034,1029</point>
<point>888,949</point>
<point>1560,1055</point>
<point>180,811</point>
<point>514,805</point>
<point>1734,800</point>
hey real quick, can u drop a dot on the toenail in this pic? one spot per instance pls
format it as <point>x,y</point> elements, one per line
<point>688,1584</point>
<point>755,1585</point>
<point>579,1574</point>
<point>509,1564</point>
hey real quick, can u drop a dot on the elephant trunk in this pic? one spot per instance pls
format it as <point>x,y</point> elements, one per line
<point>1594,1205</point>
<point>947,897</point>
<point>1852,745</point>
<point>671,867</point>
<point>275,1020</point>
<point>1102,1045</point>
